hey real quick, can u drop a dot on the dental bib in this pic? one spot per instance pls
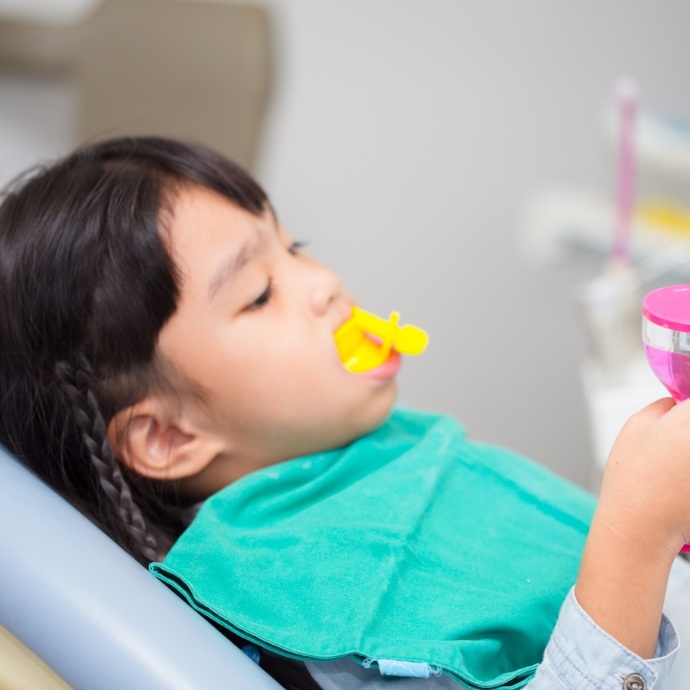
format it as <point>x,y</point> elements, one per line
<point>412,550</point>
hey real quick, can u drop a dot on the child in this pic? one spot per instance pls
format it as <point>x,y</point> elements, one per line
<point>163,337</point>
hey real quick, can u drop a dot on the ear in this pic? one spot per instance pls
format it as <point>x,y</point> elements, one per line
<point>157,442</point>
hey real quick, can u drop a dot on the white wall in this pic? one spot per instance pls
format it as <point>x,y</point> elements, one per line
<point>52,11</point>
<point>406,135</point>
<point>37,121</point>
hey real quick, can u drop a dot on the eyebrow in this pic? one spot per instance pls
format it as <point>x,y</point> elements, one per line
<point>229,267</point>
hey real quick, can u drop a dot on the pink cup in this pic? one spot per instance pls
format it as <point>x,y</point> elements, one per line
<point>666,340</point>
<point>666,337</point>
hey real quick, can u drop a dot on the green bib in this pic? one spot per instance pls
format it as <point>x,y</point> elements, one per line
<point>411,544</point>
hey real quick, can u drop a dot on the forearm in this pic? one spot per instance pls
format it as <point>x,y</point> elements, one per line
<point>641,523</point>
<point>622,583</point>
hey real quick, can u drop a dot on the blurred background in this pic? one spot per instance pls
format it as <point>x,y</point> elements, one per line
<point>450,158</point>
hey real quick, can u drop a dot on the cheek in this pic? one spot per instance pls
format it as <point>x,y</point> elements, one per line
<point>290,355</point>
<point>252,375</point>
<point>288,385</point>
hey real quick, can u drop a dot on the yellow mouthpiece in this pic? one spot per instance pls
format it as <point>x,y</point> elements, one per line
<point>365,341</point>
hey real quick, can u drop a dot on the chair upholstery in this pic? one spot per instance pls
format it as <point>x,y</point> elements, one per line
<point>95,616</point>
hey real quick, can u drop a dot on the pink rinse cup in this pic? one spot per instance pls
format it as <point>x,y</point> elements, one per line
<point>666,340</point>
<point>666,337</point>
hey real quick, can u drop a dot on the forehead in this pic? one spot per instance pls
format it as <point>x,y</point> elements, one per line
<point>209,235</point>
<point>197,214</point>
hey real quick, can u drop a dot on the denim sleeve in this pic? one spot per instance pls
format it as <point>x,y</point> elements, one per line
<point>581,656</point>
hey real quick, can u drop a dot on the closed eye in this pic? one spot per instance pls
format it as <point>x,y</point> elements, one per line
<point>295,247</point>
<point>263,299</point>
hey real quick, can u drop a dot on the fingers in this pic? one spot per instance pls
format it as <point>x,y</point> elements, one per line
<point>665,419</point>
<point>649,414</point>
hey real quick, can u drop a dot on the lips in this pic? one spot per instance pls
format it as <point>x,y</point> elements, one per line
<point>387,370</point>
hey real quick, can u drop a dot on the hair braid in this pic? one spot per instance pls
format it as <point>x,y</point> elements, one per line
<point>76,383</point>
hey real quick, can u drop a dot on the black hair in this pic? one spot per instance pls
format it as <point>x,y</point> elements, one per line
<point>86,284</point>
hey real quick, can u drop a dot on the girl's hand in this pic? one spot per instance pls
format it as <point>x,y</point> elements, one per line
<point>645,494</point>
<point>641,522</point>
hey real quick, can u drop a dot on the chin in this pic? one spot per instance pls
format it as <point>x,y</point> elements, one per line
<point>380,410</point>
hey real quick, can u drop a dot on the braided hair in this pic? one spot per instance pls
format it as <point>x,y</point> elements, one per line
<point>75,380</point>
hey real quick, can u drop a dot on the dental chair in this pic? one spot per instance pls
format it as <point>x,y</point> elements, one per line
<point>90,612</point>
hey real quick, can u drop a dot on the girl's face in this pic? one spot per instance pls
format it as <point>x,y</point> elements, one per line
<point>254,331</point>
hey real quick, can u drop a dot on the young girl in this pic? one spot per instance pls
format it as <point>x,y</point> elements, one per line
<point>162,337</point>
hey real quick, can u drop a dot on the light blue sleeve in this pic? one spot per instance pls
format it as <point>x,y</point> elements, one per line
<point>581,656</point>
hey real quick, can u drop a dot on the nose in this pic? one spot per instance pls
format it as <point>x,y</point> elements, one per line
<point>324,288</point>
